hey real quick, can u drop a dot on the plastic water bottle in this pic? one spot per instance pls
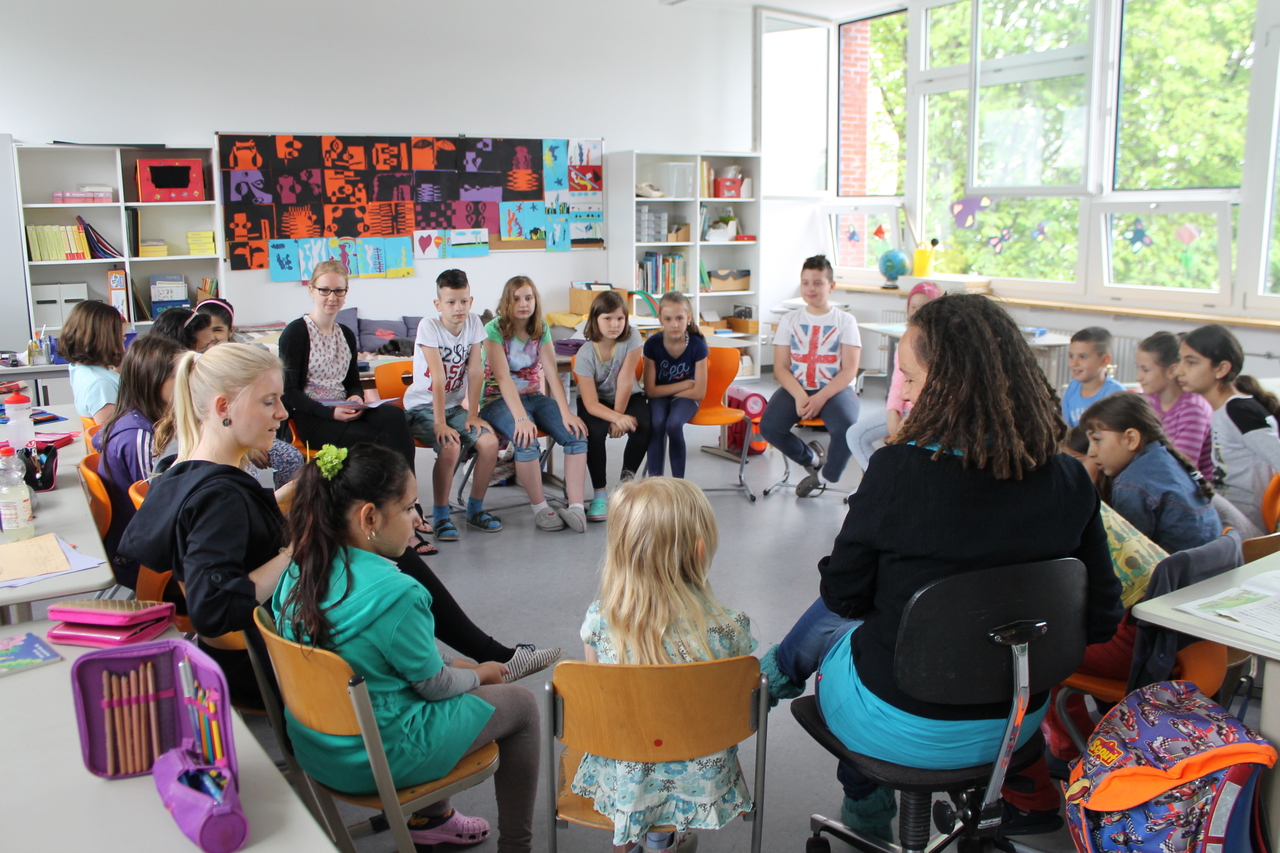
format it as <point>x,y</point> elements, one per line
<point>15,500</point>
<point>22,432</point>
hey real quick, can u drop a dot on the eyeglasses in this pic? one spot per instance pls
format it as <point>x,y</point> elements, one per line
<point>324,291</point>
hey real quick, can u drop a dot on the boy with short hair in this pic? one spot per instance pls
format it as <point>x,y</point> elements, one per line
<point>1089,355</point>
<point>447,367</point>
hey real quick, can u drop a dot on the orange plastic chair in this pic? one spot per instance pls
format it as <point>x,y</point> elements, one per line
<point>722,369</point>
<point>87,423</point>
<point>99,502</point>
<point>89,433</point>
<point>138,492</point>
<point>1271,504</point>
<point>392,379</point>
<point>785,481</point>
<point>307,452</point>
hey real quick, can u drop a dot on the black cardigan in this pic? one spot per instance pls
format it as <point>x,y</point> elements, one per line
<point>295,352</point>
<point>915,519</point>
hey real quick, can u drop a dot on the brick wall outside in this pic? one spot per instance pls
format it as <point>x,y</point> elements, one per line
<point>855,47</point>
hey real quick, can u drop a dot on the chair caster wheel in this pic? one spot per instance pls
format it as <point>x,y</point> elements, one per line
<point>944,816</point>
<point>817,844</point>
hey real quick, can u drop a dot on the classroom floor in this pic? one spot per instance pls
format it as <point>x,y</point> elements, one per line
<point>525,585</point>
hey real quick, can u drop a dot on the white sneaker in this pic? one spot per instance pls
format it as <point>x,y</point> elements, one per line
<point>527,660</point>
<point>548,520</point>
<point>573,517</point>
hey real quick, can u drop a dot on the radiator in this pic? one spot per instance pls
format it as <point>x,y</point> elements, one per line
<point>1124,351</point>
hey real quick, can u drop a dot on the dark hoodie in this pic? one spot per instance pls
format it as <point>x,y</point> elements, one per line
<point>209,524</point>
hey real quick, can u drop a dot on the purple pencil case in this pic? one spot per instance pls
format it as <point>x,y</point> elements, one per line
<point>151,727</point>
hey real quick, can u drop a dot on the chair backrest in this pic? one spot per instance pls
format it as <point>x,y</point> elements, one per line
<point>99,501</point>
<point>1271,504</point>
<point>89,433</point>
<point>390,381</point>
<point>944,652</point>
<point>722,368</point>
<point>713,709</point>
<point>87,423</point>
<point>150,584</point>
<point>313,682</point>
<point>1260,546</point>
<point>138,492</point>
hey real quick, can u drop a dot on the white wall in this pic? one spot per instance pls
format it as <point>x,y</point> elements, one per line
<point>640,74</point>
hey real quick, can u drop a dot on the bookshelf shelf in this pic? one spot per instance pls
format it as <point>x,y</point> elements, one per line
<point>45,169</point>
<point>628,256</point>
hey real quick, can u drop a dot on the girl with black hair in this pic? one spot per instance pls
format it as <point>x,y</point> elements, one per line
<point>1153,485</point>
<point>1186,417</point>
<point>189,328</point>
<point>1246,446</point>
<point>352,518</point>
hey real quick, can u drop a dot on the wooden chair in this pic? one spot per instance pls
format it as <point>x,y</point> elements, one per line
<point>99,501</point>
<point>721,703</point>
<point>722,369</point>
<point>312,683</point>
<point>1260,546</point>
<point>785,481</point>
<point>89,433</point>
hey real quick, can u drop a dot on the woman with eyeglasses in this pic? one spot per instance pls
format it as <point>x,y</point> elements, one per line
<point>319,358</point>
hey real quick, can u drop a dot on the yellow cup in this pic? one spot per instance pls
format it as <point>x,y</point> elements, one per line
<point>923,262</point>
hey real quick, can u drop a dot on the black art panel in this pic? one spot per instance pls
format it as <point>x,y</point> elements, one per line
<point>431,152</point>
<point>479,155</point>
<point>245,222</point>
<point>476,214</point>
<point>481,186</point>
<point>247,186</point>
<point>304,186</point>
<point>435,185</point>
<point>345,220</point>
<point>433,216</point>
<point>344,152</point>
<point>300,221</point>
<point>389,154</point>
<point>521,163</point>
<point>293,153</point>
<point>392,186</point>
<point>244,152</point>
<point>346,186</point>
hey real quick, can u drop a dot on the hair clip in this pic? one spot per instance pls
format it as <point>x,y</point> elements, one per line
<point>329,460</point>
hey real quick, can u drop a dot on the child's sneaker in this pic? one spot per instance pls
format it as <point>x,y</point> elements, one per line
<point>819,453</point>
<point>683,842</point>
<point>597,509</point>
<point>573,517</point>
<point>527,660</point>
<point>548,520</point>
<point>456,829</point>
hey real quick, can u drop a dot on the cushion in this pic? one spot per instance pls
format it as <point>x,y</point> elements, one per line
<point>1133,556</point>
<point>375,333</point>
<point>347,317</point>
<point>411,327</point>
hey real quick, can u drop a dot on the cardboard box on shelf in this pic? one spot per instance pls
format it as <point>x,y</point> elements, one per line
<point>730,279</point>
<point>679,235</point>
<point>750,327</point>
<point>580,298</point>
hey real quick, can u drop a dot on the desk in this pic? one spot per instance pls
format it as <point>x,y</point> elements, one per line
<point>51,802</point>
<point>64,510</point>
<point>1161,611</point>
<point>36,373</point>
<point>894,331</point>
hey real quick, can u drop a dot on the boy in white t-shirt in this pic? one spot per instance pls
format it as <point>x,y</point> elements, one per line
<point>448,370</point>
<point>816,352</point>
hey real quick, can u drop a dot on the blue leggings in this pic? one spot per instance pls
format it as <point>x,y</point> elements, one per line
<point>667,417</point>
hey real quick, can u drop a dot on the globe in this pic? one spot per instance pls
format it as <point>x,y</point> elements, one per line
<point>894,264</point>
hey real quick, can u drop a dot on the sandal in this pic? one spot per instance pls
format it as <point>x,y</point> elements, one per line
<point>424,548</point>
<point>458,829</point>
<point>446,531</point>
<point>484,521</point>
<point>423,525</point>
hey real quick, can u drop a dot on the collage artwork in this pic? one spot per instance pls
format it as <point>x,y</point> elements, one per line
<point>378,203</point>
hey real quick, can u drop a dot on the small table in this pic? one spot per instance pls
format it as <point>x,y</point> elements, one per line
<point>65,511</point>
<point>37,373</point>
<point>894,331</point>
<point>1162,611</point>
<point>52,802</point>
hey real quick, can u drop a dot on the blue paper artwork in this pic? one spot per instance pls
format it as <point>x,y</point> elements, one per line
<point>558,237</point>
<point>429,245</point>
<point>555,165</point>
<point>586,152</point>
<point>468,242</point>
<point>344,250</point>
<point>310,252</point>
<point>399,256</point>
<point>557,202</point>
<point>373,258</point>
<point>282,260</point>
<point>522,220</point>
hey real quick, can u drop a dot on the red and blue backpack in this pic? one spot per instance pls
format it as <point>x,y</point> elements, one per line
<point>1168,771</point>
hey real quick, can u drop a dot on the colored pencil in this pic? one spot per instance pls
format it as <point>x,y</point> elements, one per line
<point>139,750</point>
<point>106,716</point>
<point>126,748</point>
<point>151,711</point>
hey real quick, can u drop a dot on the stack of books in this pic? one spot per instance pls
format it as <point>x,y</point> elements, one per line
<point>57,243</point>
<point>153,249</point>
<point>201,243</point>
<point>168,290</point>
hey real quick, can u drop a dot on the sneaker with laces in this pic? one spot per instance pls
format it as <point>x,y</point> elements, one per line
<point>527,660</point>
<point>598,509</point>
<point>457,829</point>
<point>549,520</point>
<point>574,518</point>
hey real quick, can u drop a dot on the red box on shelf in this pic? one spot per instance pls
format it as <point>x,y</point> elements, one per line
<point>171,180</point>
<point>728,187</point>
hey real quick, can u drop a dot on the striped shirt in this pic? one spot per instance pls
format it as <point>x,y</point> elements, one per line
<point>1189,425</point>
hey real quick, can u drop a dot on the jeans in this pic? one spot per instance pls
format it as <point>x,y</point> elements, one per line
<point>546,415</point>
<point>863,435</point>
<point>667,417</point>
<point>598,434</point>
<point>839,413</point>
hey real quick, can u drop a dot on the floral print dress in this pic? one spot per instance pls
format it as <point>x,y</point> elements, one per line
<point>705,793</point>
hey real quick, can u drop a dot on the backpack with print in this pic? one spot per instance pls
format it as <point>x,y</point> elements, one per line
<point>1167,771</point>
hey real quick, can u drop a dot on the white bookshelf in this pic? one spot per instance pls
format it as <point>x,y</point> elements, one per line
<point>43,169</point>
<point>624,170</point>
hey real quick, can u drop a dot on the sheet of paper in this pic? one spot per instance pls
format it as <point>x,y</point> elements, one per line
<point>1260,615</point>
<point>34,557</point>
<point>372,404</point>
<point>1268,582</point>
<point>78,562</point>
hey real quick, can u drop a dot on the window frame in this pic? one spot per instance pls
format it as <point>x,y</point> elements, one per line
<point>902,234</point>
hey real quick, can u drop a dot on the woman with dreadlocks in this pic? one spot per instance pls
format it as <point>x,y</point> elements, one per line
<point>978,458</point>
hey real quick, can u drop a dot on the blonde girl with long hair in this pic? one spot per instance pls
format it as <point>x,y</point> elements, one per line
<point>656,607</point>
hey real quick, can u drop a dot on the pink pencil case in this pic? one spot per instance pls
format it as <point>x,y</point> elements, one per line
<point>174,739</point>
<point>105,623</point>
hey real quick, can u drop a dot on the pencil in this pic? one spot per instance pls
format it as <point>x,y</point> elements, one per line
<point>106,717</point>
<point>204,730</point>
<point>122,731</point>
<point>151,711</point>
<point>217,741</point>
<point>131,720</point>
<point>139,719</point>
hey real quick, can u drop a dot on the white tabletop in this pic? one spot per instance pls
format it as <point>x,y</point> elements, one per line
<point>897,330</point>
<point>52,802</point>
<point>38,371</point>
<point>65,511</point>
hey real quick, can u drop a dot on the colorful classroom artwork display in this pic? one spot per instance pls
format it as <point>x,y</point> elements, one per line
<point>965,210</point>
<point>321,194</point>
<point>468,243</point>
<point>430,244</point>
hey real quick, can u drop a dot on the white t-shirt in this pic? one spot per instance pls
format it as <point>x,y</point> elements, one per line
<point>454,352</point>
<point>815,342</point>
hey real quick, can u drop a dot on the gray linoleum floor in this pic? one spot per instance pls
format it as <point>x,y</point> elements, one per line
<point>524,585</point>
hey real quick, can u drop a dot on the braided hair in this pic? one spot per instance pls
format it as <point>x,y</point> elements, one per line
<point>1122,412</point>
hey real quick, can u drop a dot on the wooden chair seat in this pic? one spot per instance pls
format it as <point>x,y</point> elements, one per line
<point>480,761</point>
<point>576,808</point>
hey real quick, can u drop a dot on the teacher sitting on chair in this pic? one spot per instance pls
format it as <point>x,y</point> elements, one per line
<point>973,480</point>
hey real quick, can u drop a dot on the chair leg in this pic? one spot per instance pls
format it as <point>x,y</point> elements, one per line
<point>460,502</point>
<point>1064,719</point>
<point>785,479</point>
<point>549,763</point>
<point>337,829</point>
<point>913,821</point>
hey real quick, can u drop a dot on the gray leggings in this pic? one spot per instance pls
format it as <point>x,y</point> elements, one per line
<point>514,725</point>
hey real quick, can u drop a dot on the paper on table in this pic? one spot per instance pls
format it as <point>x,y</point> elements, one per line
<point>1261,615</point>
<point>372,404</point>
<point>64,560</point>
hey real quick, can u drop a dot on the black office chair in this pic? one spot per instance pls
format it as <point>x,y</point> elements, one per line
<point>952,650</point>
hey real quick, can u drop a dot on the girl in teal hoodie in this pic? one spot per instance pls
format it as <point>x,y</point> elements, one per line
<point>353,514</point>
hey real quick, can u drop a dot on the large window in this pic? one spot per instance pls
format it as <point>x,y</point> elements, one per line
<point>873,106</point>
<point>794,103</point>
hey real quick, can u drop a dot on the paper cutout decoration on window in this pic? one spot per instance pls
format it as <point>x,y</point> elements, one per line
<point>1188,234</point>
<point>997,242</point>
<point>1041,231</point>
<point>880,232</point>
<point>853,236</point>
<point>1137,235</point>
<point>965,211</point>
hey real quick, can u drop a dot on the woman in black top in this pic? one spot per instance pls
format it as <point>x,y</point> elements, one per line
<point>222,534</point>
<point>973,480</point>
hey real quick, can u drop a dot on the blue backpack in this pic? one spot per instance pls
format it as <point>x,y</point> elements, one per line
<point>1168,771</point>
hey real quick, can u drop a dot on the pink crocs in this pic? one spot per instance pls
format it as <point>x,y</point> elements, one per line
<point>458,829</point>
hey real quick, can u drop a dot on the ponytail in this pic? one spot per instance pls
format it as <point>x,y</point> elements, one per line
<point>224,371</point>
<point>186,422</point>
<point>317,528</point>
<point>1122,412</point>
<point>1249,385</point>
